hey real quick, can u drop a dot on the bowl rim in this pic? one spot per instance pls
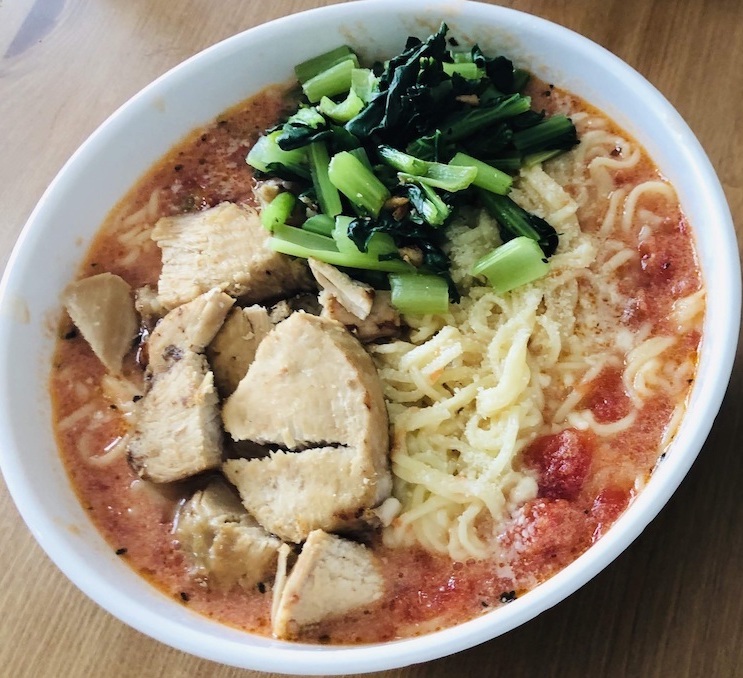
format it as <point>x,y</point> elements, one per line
<point>310,659</point>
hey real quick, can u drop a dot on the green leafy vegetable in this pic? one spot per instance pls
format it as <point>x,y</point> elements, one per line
<point>268,157</point>
<point>300,243</point>
<point>404,89</point>
<point>514,221</point>
<point>448,177</point>
<point>343,111</point>
<point>326,192</point>
<point>277,211</point>
<point>517,262</point>
<point>419,294</point>
<point>302,128</point>
<point>555,133</point>
<point>500,71</point>
<point>328,83</point>
<point>364,84</point>
<point>322,224</point>
<point>468,71</point>
<point>388,153</point>
<point>487,177</point>
<point>312,67</point>
<point>429,206</point>
<point>352,178</point>
<point>402,162</point>
<point>471,121</point>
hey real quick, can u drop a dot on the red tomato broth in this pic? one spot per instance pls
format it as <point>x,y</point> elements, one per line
<point>585,482</point>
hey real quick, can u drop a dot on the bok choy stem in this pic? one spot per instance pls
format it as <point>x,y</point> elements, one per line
<point>517,262</point>
<point>419,294</point>
<point>349,175</point>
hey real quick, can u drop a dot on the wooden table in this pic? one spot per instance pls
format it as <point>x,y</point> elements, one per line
<point>672,605</point>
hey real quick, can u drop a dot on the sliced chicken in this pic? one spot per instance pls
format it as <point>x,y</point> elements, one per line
<point>311,383</point>
<point>332,577</point>
<point>102,308</point>
<point>189,327</point>
<point>354,296</point>
<point>293,493</point>
<point>177,430</point>
<point>224,543</point>
<point>224,247</point>
<point>233,348</point>
<point>381,322</point>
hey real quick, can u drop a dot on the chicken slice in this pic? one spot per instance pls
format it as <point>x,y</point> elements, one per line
<point>224,543</point>
<point>354,296</point>
<point>293,493</point>
<point>225,247</point>
<point>233,348</point>
<point>189,327</point>
<point>177,431</point>
<point>332,577</point>
<point>102,308</point>
<point>383,320</point>
<point>311,383</point>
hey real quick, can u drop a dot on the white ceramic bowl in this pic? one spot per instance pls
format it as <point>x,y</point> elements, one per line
<point>118,153</point>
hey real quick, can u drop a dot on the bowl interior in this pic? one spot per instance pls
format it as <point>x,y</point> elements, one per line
<point>106,166</point>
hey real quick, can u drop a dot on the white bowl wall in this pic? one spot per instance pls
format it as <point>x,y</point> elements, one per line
<point>121,150</point>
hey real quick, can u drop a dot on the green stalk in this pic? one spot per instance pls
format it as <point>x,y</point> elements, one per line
<point>300,243</point>
<point>377,245</point>
<point>322,224</point>
<point>278,210</point>
<point>517,262</point>
<point>340,235</point>
<point>446,177</point>
<point>327,194</point>
<point>514,221</point>
<point>381,245</point>
<point>466,124</point>
<point>364,83</point>
<point>441,209</point>
<point>304,239</point>
<point>335,80</point>
<point>403,162</point>
<point>345,110</point>
<point>360,154</point>
<point>557,132</point>
<point>312,67</point>
<point>267,153</point>
<point>419,294</point>
<point>428,203</point>
<point>349,175</point>
<point>488,177</point>
<point>507,161</point>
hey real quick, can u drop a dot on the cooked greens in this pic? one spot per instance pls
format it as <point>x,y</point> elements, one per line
<point>382,157</point>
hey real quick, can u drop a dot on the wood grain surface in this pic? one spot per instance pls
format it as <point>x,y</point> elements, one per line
<point>671,605</point>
